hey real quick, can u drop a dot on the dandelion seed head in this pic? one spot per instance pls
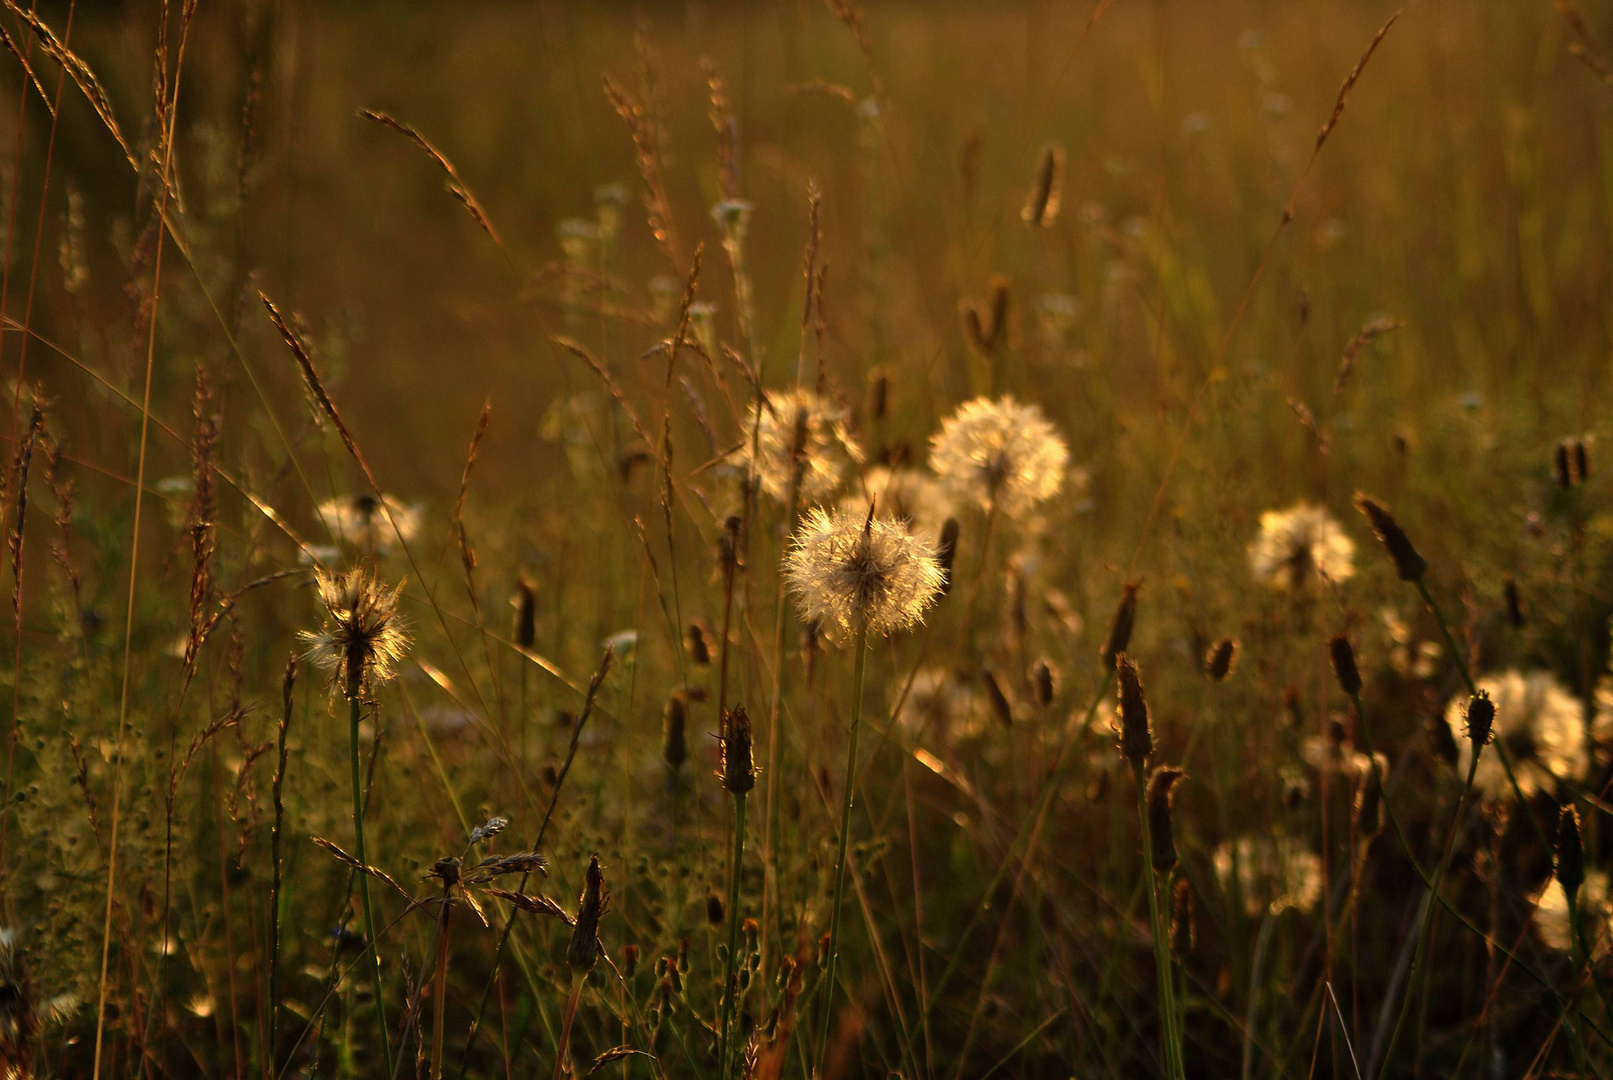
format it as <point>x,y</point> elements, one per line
<point>860,570</point>
<point>363,639</point>
<point>999,454</point>
<point>1540,724</point>
<point>799,432</point>
<point>368,522</point>
<point>908,496</point>
<point>1299,545</point>
<point>1269,873</point>
<point>1595,908</point>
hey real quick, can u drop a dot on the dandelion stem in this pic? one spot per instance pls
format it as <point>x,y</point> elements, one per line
<point>730,990</point>
<point>364,878</point>
<point>845,831</point>
<point>1171,1034</point>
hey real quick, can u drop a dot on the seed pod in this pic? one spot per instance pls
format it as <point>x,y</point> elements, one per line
<point>1119,639</point>
<point>1344,669</point>
<point>1044,681</point>
<point>1184,934</point>
<point>1480,719</point>
<point>999,702</point>
<point>526,612</point>
<point>1218,661</point>
<point>1408,564</point>
<point>1136,742</point>
<point>1561,470</point>
<point>1570,864</point>
<point>945,551</point>
<point>583,952</point>
<point>738,768</point>
<point>696,642</point>
<point>1509,591</point>
<point>1162,855</point>
<point>714,910</point>
<point>674,737</point>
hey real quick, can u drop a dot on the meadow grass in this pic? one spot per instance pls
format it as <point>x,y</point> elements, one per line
<point>796,540</point>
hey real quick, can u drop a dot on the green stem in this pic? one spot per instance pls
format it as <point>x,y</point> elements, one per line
<point>845,833</point>
<point>730,989</point>
<point>1162,946</point>
<point>364,878</point>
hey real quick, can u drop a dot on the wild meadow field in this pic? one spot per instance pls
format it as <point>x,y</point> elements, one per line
<point>950,540</point>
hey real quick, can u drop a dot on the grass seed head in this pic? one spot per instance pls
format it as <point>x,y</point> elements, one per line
<point>1162,854</point>
<point>1184,932</point>
<point>1219,660</point>
<point>1570,861</point>
<point>674,730</point>
<point>1408,563</point>
<point>1120,627</point>
<point>583,952</point>
<point>738,769</point>
<point>526,612</point>
<point>1344,669</point>
<point>1136,741</point>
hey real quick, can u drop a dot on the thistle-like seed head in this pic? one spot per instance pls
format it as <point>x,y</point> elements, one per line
<point>861,572</point>
<point>999,455</point>
<point>363,638</point>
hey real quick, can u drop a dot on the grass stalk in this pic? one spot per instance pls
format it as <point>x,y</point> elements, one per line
<point>1170,1032</point>
<point>353,712</point>
<point>730,991</point>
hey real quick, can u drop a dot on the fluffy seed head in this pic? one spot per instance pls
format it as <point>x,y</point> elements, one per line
<point>1299,545</point>
<point>363,638</point>
<point>861,572</point>
<point>909,496</point>
<point>1536,719</point>
<point>802,437</point>
<point>368,522</point>
<point>999,455</point>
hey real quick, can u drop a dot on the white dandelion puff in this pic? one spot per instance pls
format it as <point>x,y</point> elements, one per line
<point>800,436</point>
<point>860,571</point>
<point>363,639</point>
<point>1298,545</point>
<point>999,455</point>
<point>368,522</point>
<point>910,496</point>
<point>1537,720</point>
<point>1270,873</point>
<point>1595,910</point>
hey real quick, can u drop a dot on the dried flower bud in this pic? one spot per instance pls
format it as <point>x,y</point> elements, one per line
<point>1184,934</point>
<point>1162,853</point>
<point>946,550</point>
<point>1136,743</point>
<point>738,769</point>
<point>714,910</point>
<point>998,700</point>
<point>696,642</point>
<point>1218,661</point>
<point>1570,864</point>
<point>674,737</point>
<point>1509,591</point>
<point>1408,564</point>
<point>526,612</point>
<point>1119,639</point>
<point>1480,719</point>
<point>1045,683</point>
<point>583,952</point>
<point>446,870</point>
<point>1344,669</point>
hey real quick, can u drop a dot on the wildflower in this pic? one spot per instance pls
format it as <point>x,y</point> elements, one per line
<point>1536,720</point>
<point>1000,455</point>
<point>800,437</point>
<point>370,522</point>
<point>908,496</point>
<point>1299,544</point>
<point>363,639</point>
<point>868,574</point>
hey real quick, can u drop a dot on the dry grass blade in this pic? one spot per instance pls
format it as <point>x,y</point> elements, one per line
<point>81,75</point>
<point>373,871</point>
<point>581,352</point>
<point>524,863</point>
<point>1373,328</point>
<point>824,88</point>
<point>616,1053</point>
<point>1587,49</point>
<point>316,385</point>
<point>456,183</point>
<point>1349,81</point>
